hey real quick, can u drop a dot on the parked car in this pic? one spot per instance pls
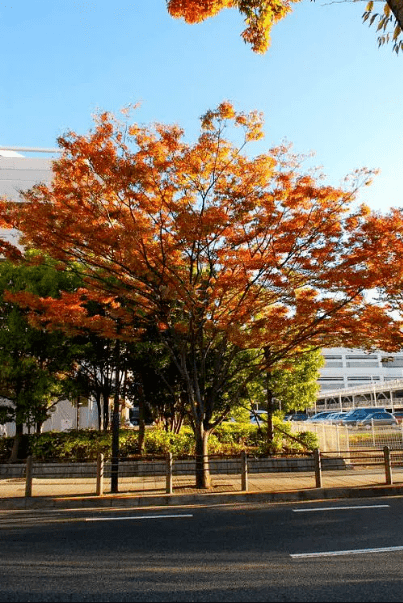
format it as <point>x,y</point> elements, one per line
<point>336,418</point>
<point>358,414</point>
<point>134,417</point>
<point>330,417</point>
<point>377,419</point>
<point>297,416</point>
<point>320,416</point>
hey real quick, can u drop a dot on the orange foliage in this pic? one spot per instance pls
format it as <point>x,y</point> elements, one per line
<point>70,313</point>
<point>202,241</point>
<point>194,11</point>
<point>260,15</point>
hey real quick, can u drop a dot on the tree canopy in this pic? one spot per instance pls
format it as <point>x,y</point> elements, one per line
<point>296,385</point>
<point>36,366</point>
<point>261,15</point>
<point>234,262</point>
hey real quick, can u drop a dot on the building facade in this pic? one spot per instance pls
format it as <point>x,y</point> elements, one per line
<point>19,172</point>
<point>346,367</point>
<point>353,378</point>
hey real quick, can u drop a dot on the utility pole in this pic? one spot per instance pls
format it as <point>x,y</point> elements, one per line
<point>270,398</point>
<point>116,423</point>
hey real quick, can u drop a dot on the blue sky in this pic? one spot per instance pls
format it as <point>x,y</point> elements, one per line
<point>323,85</point>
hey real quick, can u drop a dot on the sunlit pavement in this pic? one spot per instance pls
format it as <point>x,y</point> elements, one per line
<point>141,491</point>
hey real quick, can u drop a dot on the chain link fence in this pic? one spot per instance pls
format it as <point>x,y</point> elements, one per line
<point>339,438</point>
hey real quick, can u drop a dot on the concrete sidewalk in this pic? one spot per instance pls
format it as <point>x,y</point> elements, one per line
<point>76,493</point>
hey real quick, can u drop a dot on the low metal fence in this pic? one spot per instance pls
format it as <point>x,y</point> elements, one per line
<point>168,475</point>
<point>366,467</point>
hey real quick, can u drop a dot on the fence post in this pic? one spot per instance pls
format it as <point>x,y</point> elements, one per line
<point>169,473</point>
<point>100,474</point>
<point>28,477</point>
<point>318,467</point>
<point>388,465</point>
<point>347,438</point>
<point>338,439</point>
<point>244,471</point>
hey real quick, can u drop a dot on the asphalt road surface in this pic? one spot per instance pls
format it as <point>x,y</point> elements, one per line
<point>349,550</point>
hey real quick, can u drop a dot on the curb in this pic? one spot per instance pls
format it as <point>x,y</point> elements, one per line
<point>166,500</point>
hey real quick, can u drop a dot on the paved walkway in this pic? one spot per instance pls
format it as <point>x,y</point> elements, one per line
<point>80,492</point>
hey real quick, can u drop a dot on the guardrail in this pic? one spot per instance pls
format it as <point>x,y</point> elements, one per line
<point>236,473</point>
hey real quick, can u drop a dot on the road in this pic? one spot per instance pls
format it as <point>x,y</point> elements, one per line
<point>349,550</point>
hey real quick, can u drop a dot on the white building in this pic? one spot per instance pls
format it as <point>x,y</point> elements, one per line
<point>63,417</point>
<point>20,172</point>
<point>346,367</point>
<point>352,378</point>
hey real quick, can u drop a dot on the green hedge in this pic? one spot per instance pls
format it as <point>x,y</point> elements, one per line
<point>84,445</point>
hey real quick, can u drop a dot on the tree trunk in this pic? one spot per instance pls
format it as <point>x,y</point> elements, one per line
<point>99,411</point>
<point>78,413</point>
<point>270,399</point>
<point>105,399</point>
<point>177,422</point>
<point>142,422</point>
<point>19,428</point>
<point>178,412</point>
<point>115,425</point>
<point>115,446</point>
<point>270,410</point>
<point>202,462</point>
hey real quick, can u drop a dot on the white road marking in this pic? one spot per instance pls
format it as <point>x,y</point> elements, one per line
<point>136,517</point>
<point>387,549</point>
<point>340,508</point>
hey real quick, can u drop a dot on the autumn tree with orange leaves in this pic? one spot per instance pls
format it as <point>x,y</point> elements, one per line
<point>261,15</point>
<point>234,263</point>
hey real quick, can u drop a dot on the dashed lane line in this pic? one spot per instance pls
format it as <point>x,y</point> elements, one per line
<point>354,507</point>
<point>133,517</point>
<point>387,549</point>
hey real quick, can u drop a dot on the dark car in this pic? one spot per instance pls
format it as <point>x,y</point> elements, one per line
<point>358,414</point>
<point>336,418</point>
<point>320,416</point>
<point>297,416</point>
<point>377,419</point>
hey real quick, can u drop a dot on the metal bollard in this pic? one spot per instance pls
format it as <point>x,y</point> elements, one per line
<point>100,474</point>
<point>169,473</point>
<point>244,471</point>
<point>388,465</point>
<point>318,468</point>
<point>28,477</point>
